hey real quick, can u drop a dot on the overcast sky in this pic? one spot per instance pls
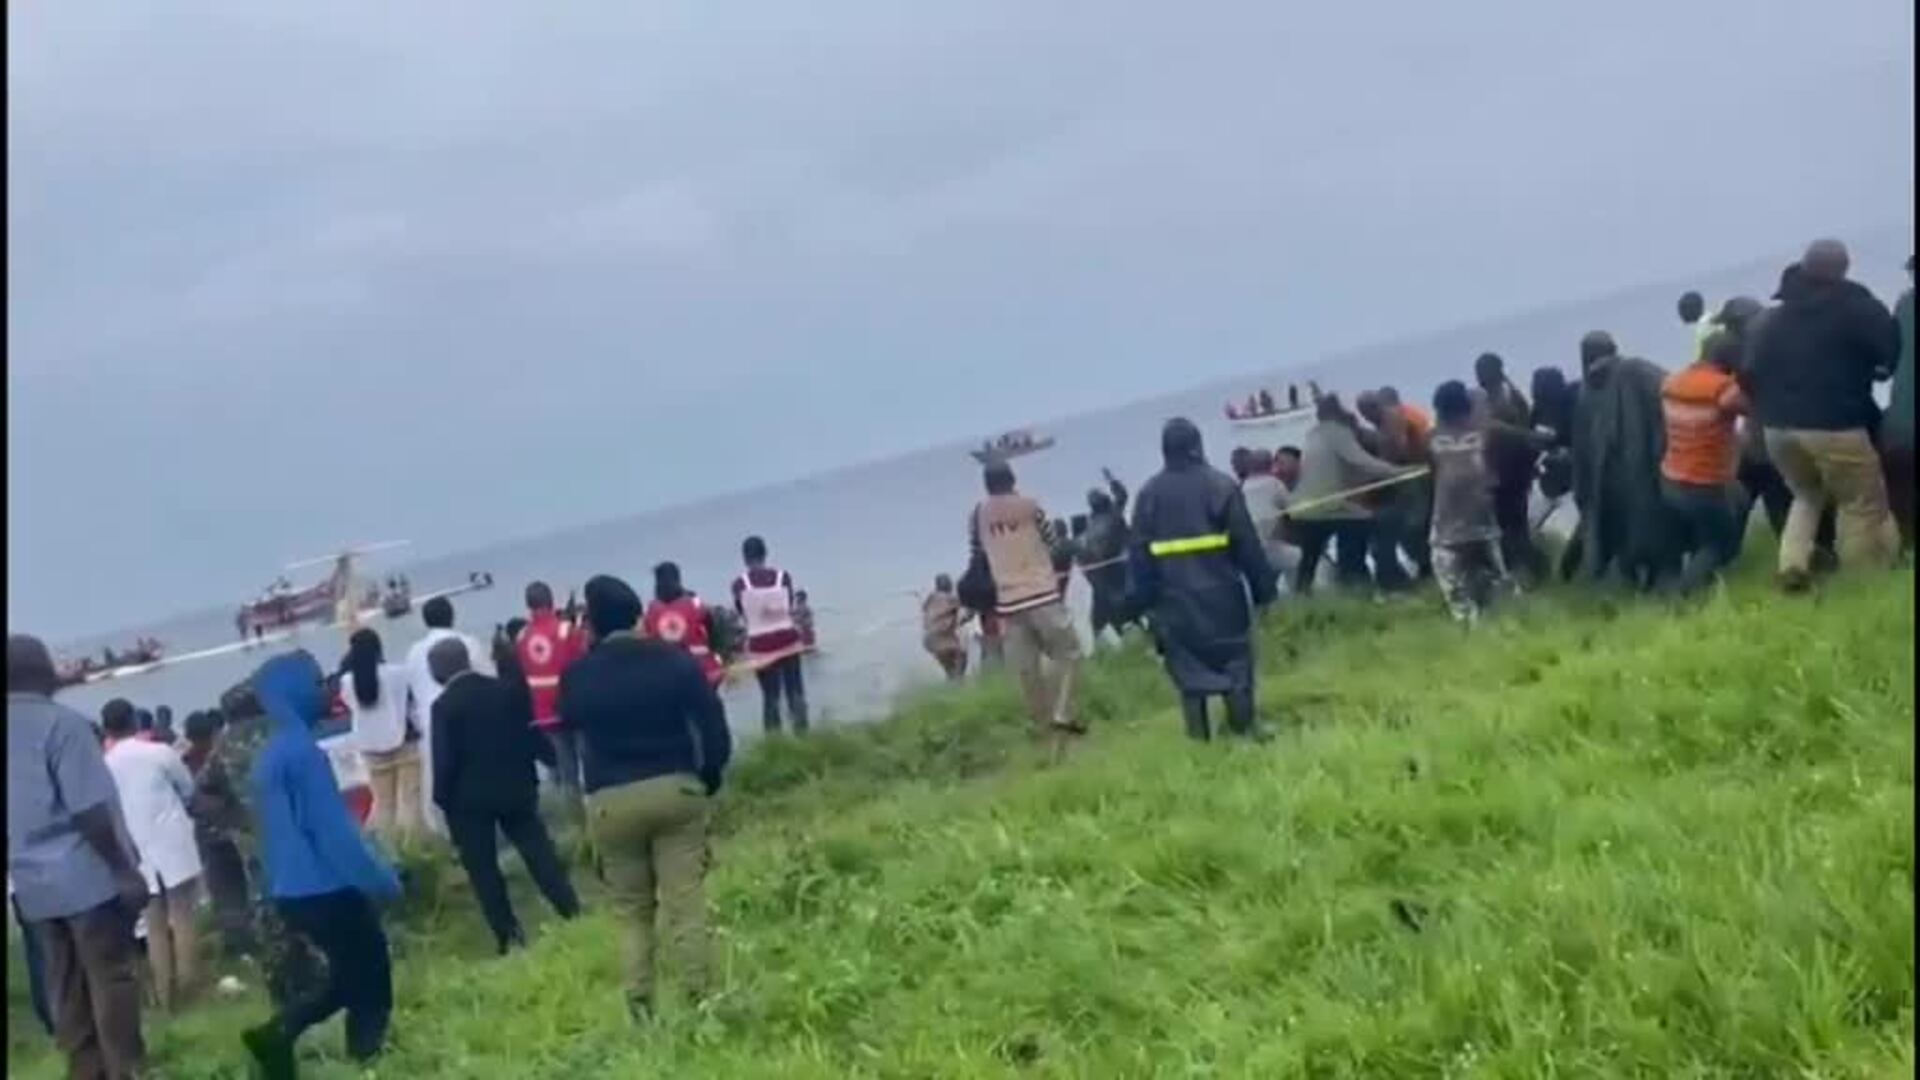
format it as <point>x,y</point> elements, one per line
<point>283,276</point>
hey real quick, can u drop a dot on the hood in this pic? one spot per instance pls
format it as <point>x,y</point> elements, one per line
<point>1180,444</point>
<point>290,693</point>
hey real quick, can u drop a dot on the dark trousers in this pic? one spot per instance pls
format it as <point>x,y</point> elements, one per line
<point>1510,512</point>
<point>1384,545</point>
<point>1349,537</point>
<point>93,984</point>
<point>1411,513</point>
<point>346,930</point>
<point>36,971</point>
<point>226,878</point>
<point>1897,463</point>
<point>1193,708</point>
<point>1707,521</point>
<point>782,678</point>
<point>473,837</point>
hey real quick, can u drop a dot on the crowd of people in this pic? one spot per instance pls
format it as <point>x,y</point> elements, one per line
<point>115,832</point>
<point>1773,405</point>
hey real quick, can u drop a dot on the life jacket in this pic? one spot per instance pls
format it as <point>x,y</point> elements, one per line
<point>768,610</point>
<point>683,622</point>
<point>545,647</point>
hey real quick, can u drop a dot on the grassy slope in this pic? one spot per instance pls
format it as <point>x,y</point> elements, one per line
<point>1637,841</point>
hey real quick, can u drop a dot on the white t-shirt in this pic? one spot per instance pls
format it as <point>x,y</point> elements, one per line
<point>154,787</point>
<point>424,692</point>
<point>420,682</point>
<point>381,727</point>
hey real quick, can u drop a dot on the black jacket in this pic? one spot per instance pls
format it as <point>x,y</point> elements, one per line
<point>484,747</point>
<point>1815,357</point>
<point>1199,601</point>
<point>644,709</point>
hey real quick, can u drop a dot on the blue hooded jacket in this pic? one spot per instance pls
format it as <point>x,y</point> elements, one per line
<point>310,844</point>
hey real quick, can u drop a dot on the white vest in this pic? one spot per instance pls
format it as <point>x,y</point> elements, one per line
<point>768,610</point>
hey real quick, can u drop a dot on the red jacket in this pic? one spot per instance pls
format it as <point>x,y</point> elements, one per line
<point>546,646</point>
<point>684,622</point>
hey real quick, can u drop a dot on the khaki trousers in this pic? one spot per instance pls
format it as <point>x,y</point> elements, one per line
<point>1044,651</point>
<point>1839,468</point>
<point>173,941</point>
<point>394,776</point>
<point>652,839</point>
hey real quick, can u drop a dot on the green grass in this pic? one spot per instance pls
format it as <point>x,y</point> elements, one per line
<point>1636,840</point>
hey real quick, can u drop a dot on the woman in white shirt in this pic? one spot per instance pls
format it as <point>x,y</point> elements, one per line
<point>155,787</point>
<point>376,696</point>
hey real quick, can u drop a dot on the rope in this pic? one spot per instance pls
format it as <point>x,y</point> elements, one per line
<point>1338,496</point>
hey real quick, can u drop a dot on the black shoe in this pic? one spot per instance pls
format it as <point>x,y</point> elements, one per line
<point>272,1050</point>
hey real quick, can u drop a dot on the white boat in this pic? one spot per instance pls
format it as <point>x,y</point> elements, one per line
<point>1272,419</point>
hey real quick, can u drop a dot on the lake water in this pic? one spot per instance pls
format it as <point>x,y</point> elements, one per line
<point>864,540</point>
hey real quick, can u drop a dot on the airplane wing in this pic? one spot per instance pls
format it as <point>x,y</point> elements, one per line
<point>265,642</point>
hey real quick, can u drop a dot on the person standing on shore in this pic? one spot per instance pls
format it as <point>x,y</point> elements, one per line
<point>375,693</point>
<point>1103,556</point>
<point>1402,512</point>
<point>218,817</point>
<point>1513,453</point>
<point>1747,319</point>
<point>1467,560</point>
<point>484,780</point>
<point>422,691</point>
<point>1197,560</point>
<point>155,788</point>
<point>763,596</point>
<point>1896,431</point>
<point>940,619</point>
<point>320,875</point>
<point>545,648</point>
<point>1811,384</point>
<point>1266,499</point>
<point>1702,404</point>
<point>657,748</point>
<point>677,617</point>
<point>1012,533</point>
<point>1693,311</point>
<point>1333,462</point>
<point>76,881</point>
<point>1619,436</point>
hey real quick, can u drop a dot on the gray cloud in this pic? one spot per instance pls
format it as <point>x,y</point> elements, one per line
<point>256,251</point>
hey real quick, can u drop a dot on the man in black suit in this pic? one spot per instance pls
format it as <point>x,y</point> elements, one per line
<point>484,749</point>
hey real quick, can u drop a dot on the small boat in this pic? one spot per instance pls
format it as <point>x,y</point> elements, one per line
<point>145,653</point>
<point>1011,445</point>
<point>1265,409</point>
<point>1272,419</point>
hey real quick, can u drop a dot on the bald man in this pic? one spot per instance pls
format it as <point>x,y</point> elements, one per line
<point>1810,380</point>
<point>76,880</point>
<point>483,756</point>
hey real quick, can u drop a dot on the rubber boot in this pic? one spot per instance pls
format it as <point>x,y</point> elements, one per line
<point>1241,720</point>
<point>1194,707</point>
